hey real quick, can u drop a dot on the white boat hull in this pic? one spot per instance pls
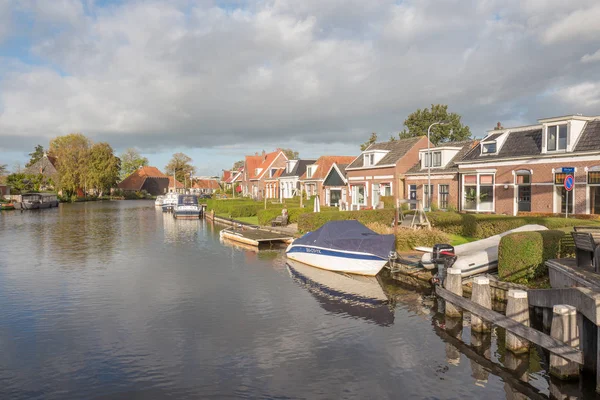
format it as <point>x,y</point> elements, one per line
<point>336,260</point>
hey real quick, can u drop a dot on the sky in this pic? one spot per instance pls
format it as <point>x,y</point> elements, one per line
<point>221,79</point>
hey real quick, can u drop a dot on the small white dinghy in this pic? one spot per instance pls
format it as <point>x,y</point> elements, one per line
<point>343,246</point>
<point>479,256</point>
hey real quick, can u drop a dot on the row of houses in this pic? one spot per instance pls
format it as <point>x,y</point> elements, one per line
<point>510,170</point>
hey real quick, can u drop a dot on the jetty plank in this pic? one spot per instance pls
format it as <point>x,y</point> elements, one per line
<point>541,339</point>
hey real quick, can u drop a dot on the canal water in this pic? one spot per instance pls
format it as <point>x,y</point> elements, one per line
<point>116,300</point>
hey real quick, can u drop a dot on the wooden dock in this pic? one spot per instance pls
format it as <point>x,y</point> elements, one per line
<point>255,237</point>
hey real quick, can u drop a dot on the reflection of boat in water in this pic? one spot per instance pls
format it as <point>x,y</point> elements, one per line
<point>179,231</point>
<point>358,296</point>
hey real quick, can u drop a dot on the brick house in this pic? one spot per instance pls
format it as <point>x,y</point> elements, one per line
<point>311,182</point>
<point>204,186</point>
<point>149,179</point>
<point>444,175</point>
<point>257,169</point>
<point>379,171</point>
<point>521,169</point>
<point>289,181</point>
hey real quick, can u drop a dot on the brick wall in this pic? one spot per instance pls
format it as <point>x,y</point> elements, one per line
<point>421,182</point>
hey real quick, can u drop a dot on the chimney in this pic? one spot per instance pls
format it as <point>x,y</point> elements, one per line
<point>499,126</point>
<point>256,153</point>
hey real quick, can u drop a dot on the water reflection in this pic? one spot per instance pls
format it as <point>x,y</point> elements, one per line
<point>357,296</point>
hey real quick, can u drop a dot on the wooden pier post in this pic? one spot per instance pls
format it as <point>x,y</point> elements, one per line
<point>564,328</point>
<point>453,283</point>
<point>546,319</point>
<point>481,295</point>
<point>517,309</point>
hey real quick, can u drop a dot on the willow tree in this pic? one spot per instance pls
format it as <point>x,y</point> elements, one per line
<point>72,152</point>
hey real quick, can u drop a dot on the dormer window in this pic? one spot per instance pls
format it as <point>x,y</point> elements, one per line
<point>437,159</point>
<point>256,171</point>
<point>273,172</point>
<point>309,172</point>
<point>488,148</point>
<point>556,138</point>
<point>369,159</point>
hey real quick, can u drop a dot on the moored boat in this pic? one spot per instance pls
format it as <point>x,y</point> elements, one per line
<point>7,206</point>
<point>187,207</point>
<point>48,200</point>
<point>159,200</point>
<point>344,246</point>
<point>31,201</point>
<point>479,256</point>
<point>169,202</point>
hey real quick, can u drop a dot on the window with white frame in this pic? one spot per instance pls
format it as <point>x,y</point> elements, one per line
<point>309,172</point>
<point>358,195</point>
<point>443,196</point>
<point>437,159</point>
<point>556,138</point>
<point>426,196</point>
<point>369,159</point>
<point>478,192</point>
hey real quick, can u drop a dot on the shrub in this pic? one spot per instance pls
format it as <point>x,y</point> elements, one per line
<point>408,239</point>
<point>311,221</point>
<point>266,216</point>
<point>388,201</point>
<point>522,255</point>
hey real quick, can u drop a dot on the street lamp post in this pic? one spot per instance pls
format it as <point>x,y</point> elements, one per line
<point>429,160</point>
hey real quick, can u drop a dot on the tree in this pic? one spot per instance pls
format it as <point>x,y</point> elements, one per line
<point>130,161</point>
<point>103,168</point>
<point>23,183</point>
<point>71,152</point>
<point>3,169</point>
<point>291,154</point>
<point>181,166</point>
<point>238,164</point>
<point>372,139</point>
<point>417,123</point>
<point>35,155</point>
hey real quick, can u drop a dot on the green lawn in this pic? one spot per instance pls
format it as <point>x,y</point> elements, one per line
<point>455,240</point>
<point>247,220</point>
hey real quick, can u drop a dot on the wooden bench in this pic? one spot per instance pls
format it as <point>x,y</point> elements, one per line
<point>585,249</point>
<point>280,220</point>
<point>592,230</point>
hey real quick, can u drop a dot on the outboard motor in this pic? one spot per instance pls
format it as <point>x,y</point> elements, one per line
<point>443,257</point>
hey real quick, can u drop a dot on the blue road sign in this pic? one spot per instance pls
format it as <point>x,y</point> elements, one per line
<point>569,182</point>
<point>568,170</point>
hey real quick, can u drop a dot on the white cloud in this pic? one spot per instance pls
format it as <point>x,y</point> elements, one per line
<point>586,94</point>
<point>587,58</point>
<point>156,73</point>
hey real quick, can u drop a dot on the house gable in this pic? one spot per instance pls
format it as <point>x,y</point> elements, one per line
<point>394,152</point>
<point>335,177</point>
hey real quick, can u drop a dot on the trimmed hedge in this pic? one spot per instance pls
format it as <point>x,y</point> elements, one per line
<point>485,225</point>
<point>240,207</point>
<point>311,221</point>
<point>522,255</point>
<point>266,216</point>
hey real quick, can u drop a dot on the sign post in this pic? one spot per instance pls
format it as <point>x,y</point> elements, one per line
<point>569,182</point>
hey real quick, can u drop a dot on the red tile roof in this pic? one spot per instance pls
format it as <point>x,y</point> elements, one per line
<point>178,185</point>
<point>324,163</point>
<point>136,180</point>
<point>206,184</point>
<point>276,175</point>
<point>226,176</point>
<point>261,161</point>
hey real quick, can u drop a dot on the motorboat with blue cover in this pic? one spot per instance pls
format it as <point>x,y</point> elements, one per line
<point>344,246</point>
<point>187,207</point>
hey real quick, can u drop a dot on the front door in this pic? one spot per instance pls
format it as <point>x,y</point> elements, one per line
<point>335,195</point>
<point>524,197</point>
<point>595,199</point>
<point>375,197</point>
